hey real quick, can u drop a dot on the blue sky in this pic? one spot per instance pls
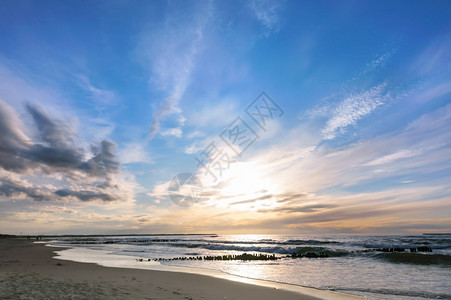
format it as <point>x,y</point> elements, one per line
<point>102,103</point>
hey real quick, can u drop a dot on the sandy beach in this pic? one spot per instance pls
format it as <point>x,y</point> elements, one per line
<point>29,271</point>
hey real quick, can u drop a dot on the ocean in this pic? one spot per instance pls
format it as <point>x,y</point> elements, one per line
<point>377,267</point>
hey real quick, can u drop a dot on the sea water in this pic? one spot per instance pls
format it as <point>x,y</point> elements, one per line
<point>377,267</point>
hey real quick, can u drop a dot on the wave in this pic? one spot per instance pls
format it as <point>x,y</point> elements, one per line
<point>250,248</point>
<point>274,242</point>
<point>118,241</point>
<point>83,241</point>
<point>320,251</point>
<point>298,251</point>
<point>207,246</point>
<point>263,249</point>
<point>264,242</point>
<point>416,258</point>
<point>311,242</point>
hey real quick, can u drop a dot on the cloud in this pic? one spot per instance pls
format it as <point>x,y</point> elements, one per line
<point>318,187</point>
<point>378,62</point>
<point>55,150</point>
<point>216,114</point>
<point>359,186</point>
<point>134,153</point>
<point>53,132</point>
<point>435,58</point>
<point>191,149</point>
<point>195,134</point>
<point>12,139</point>
<point>104,161</point>
<point>309,208</point>
<point>99,95</point>
<point>19,153</point>
<point>408,181</point>
<point>419,148</point>
<point>267,13</point>
<point>167,107</point>
<point>11,188</point>
<point>392,157</point>
<point>170,54</point>
<point>160,191</point>
<point>86,195</point>
<point>354,108</point>
<point>181,121</point>
<point>433,92</point>
<point>53,153</point>
<point>175,132</point>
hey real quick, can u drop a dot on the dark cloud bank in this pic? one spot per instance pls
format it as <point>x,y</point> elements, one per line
<point>53,152</point>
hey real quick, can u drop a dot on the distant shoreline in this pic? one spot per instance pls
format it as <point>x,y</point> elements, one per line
<point>102,235</point>
<point>449,233</point>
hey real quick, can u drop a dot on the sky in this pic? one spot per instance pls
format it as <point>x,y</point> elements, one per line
<point>288,117</point>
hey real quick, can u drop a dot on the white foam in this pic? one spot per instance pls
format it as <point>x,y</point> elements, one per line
<point>108,259</point>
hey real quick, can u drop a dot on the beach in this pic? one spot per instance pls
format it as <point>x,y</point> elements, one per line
<point>29,271</point>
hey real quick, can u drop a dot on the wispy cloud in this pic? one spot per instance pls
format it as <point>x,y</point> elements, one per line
<point>267,13</point>
<point>172,132</point>
<point>216,114</point>
<point>99,95</point>
<point>432,92</point>
<point>191,149</point>
<point>353,108</point>
<point>392,157</point>
<point>435,58</point>
<point>170,53</point>
<point>378,62</point>
<point>11,188</point>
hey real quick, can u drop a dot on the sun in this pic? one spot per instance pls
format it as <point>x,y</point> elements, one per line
<point>246,186</point>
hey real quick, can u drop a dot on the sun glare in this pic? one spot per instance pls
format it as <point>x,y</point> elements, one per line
<point>247,187</point>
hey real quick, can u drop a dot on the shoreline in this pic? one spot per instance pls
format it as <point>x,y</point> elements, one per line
<point>34,270</point>
<point>129,262</point>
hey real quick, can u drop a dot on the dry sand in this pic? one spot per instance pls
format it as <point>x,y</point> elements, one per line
<point>29,271</point>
